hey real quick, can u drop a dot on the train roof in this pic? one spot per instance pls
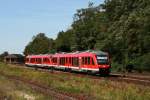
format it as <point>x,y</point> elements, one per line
<point>77,53</point>
<point>97,52</point>
<point>81,53</point>
<point>38,56</point>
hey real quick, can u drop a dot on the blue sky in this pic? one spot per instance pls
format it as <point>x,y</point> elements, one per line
<point>20,20</point>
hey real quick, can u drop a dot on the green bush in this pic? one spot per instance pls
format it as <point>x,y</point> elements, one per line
<point>116,67</point>
<point>142,63</point>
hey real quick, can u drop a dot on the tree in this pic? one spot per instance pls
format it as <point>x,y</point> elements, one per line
<point>64,41</point>
<point>39,45</point>
<point>3,55</point>
<point>128,29</point>
<point>88,25</point>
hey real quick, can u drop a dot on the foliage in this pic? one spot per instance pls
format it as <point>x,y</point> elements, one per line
<point>64,41</point>
<point>3,55</point>
<point>142,62</point>
<point>128,29</point>
<point>39,45</point>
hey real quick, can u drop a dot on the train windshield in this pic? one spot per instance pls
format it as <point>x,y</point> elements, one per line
<point>102,59</point>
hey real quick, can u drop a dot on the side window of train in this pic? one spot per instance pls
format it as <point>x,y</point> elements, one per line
<point>75,61</point>
<point>39,60</point>
<point>72,61</point>
<point>92,61</point>
<point>59,61</point>
<point>47,60</point>
<point>63,61</point>
<point>83,61</point>
<point>56,60</point>
<point>35,60</point>
<point>69,60</point>
<point>44,60</point>
<point>88,60</point>
<point>66,60</point>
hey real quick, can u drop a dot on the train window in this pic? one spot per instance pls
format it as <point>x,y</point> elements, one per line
<point>62,61</point>
<point>83,61</point>
<point>92,61</point>
<point>59,61</point>
<point>88,60</point>
<point>75,61</point>
<point>66,60</point>
<point>39,60</point>
<point>69,60</point>
<point>31,60</point>
<point>54,60</point>
<point>46,60</point>
<point>102,59</point>
<point>72,61</point>
<point>36,60</point>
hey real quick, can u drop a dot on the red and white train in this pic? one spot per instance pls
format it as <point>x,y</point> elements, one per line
<point>88,61</point>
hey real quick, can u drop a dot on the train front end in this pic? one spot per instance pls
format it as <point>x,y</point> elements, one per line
<point>103,62</point>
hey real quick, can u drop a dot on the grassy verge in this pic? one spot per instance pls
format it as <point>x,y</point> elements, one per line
<point>12,90</point>
<point>94,89</point>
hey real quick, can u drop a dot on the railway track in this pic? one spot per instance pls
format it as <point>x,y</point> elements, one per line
<point>57,95</point>
<point>136,79</point>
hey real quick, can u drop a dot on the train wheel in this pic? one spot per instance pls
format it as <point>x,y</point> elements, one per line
<point>69,70</point>
<point>104,72</point>
<point>52,69</point>
<point>89,72</point>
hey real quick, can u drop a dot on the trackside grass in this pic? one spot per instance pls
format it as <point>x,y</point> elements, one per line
<point>10,90</point>
<point>89,88</point>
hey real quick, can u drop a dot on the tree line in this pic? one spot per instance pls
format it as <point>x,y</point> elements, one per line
<point>120,27</point>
